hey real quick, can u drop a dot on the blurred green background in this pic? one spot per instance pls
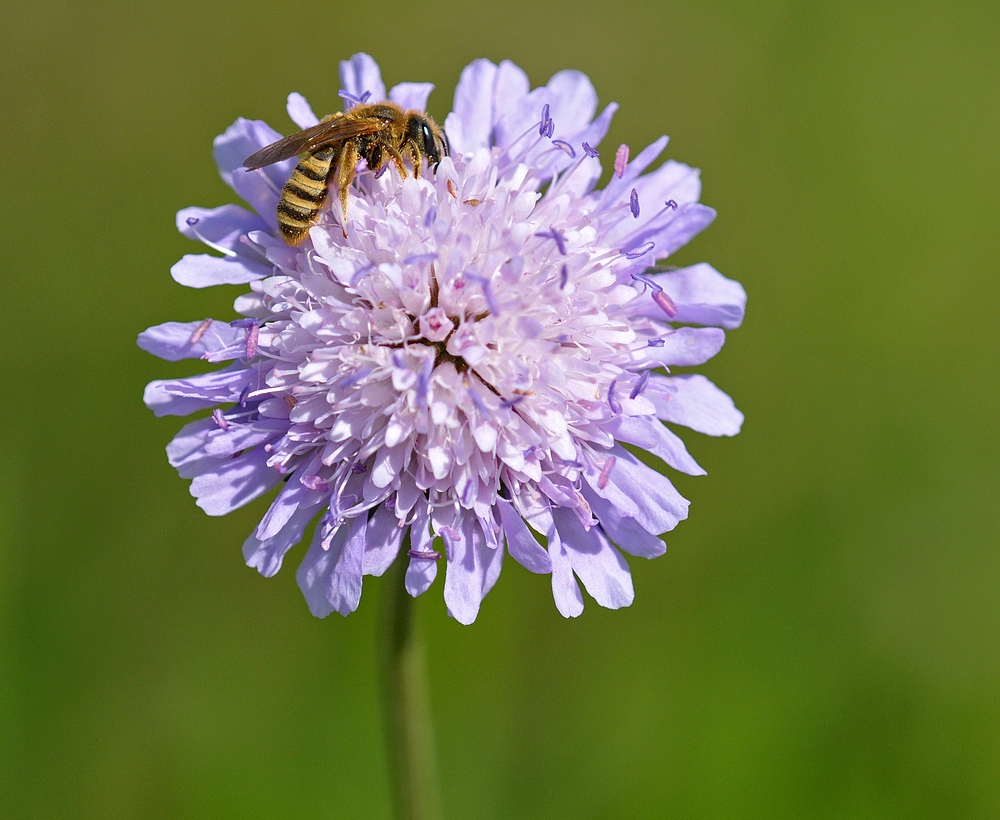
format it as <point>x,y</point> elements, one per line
<point>822,638</point>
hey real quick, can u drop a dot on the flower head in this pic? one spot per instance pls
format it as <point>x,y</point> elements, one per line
<point>461,359</point>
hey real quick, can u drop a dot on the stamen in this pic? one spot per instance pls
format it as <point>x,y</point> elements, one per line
<point>356,376</point>
<point>655,342</point>
<point>431,216</point>
<point>563,277</point>
<point>215,246</point>
<point>361,272</point>
<point>252,333</point>
<point>314,482</point>
<point>290,400</point>
<point>590,152</point>
<point>641,277</point>
<point>451,189</point>
<point>666,303</point>
<point>245,323</point>
<point>359,469</point>
<point>566,147</point>
<point>556,235</point>
<point>419,258</point>
<point>633,203</point>
<point>424,383</point>
<point>530,451</point>
<point>616,408</point>
<point>642,250</point>
<point>484,283</point>
<point>428,555</point>
<point>640,385</point>
<point>468,493</point>
<point>512,402</point>
<point>671,204</point>
<point>621,160</point>
<point>602,479</point>
<point>200,331</point>
<point>244,396</point>
<point>449,536</point>
<point>382,170</point>
<point>479,404</point>
<point>220,419</point>
<point>347,95</point>
<point>545,123</point>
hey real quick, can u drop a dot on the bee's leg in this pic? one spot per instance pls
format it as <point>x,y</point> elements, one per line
<point>397,160</point>
<point>374,158</point>
<point>345,174</point>
<point>415,158</point>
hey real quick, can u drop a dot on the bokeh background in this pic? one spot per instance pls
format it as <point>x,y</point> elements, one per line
<point>822,638</point>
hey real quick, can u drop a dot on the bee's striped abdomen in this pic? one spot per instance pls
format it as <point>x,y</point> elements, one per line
<point>303,195</point>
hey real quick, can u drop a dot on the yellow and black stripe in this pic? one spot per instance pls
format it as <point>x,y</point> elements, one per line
<point>303,195</point>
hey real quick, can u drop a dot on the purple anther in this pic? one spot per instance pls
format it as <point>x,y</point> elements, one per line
<point>563,277</point>
<point>544,124</point>
<point>192,220</point>
<point>252,333</point>
<point>449,536</point>
<point>314,482</point>
<point>382,170</point>
<point>612,400</point>
<point>512,402</point>
<point>347,95</point>
<point>602,479</point>
<point>424,382</point>
<point>641,277</point>
<point>419,258</point>
<point>355,377</point>
<point>640,385</point>
<point>655,343</point>
<point>590,152</point>
<point>431,216</point>
<point>621,160</point>
<point>642,250</point>
<point>468,493</point>
<point>359,469</point>
<point>671,204</point>
<point>633,203</point>
<point>665,302</point>
<point>200,331</point>
<point>243,396</point>
<point>427,555</point>
<point>566,147</point>
<point>555,234</point>
<point>477,401</point>
<point>242,322</point>
<point>220,419</point>
<point>530,451</point>
<point>491,301</point>
<point>397,359</point>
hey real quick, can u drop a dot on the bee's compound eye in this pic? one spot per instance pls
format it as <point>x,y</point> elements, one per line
<point>430,146</point>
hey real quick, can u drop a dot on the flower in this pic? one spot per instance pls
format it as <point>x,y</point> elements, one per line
<point>462,359</point>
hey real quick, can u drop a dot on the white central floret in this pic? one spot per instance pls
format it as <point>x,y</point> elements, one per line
<point>464,339</point>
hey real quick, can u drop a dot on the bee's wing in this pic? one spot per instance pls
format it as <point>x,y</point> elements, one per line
<point>323,133</point>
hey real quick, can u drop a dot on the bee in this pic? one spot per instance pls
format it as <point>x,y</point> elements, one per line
<point>380,133</point>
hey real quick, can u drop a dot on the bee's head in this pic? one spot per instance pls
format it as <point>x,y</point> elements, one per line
<point>423,132</point>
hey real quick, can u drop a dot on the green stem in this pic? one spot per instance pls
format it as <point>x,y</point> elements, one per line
<point>409,732</point>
